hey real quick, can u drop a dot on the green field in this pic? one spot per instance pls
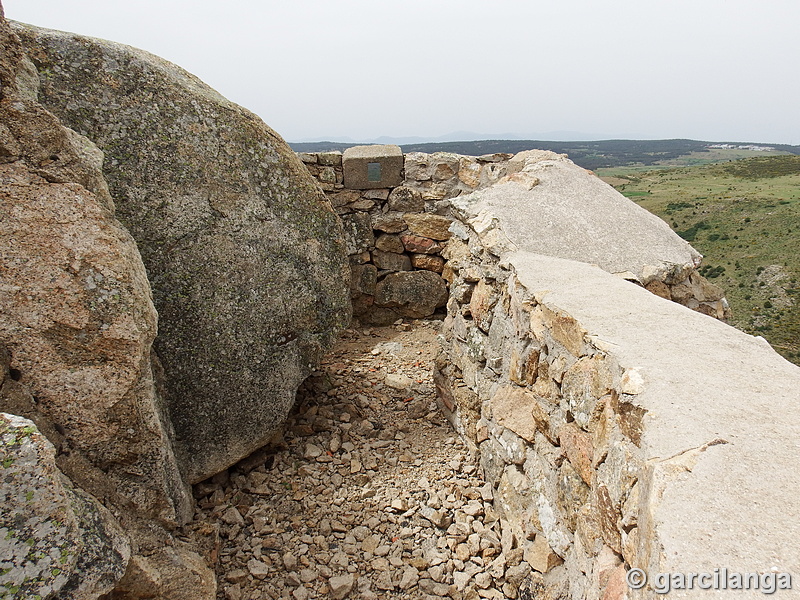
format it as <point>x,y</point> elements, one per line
<point>744,217</point>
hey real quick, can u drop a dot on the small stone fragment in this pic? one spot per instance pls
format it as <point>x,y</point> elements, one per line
<point>232,517</point>
<point>300,593</point>
<point>341,586</point>
<point>483,580</point>
<point>308,575</point>
<point>257,568</point>
<point>399,505</point>
<point>409,578</point>
<point>398,381</point>
<point>312,451</point>
<point>384,581</point>
<point>437,517</point>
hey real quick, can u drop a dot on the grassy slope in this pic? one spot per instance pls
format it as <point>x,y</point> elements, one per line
<point>744,217</point>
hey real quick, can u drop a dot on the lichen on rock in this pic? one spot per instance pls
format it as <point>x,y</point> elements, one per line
<point>55,540</point>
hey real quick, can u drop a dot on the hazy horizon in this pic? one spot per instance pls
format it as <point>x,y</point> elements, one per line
<point>622,69</point>
<point>553,136</point>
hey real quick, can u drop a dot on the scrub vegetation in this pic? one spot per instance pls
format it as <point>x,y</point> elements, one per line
<point>744,217</point>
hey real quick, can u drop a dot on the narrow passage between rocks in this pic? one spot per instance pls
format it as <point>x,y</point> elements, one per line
<point>370,494</point>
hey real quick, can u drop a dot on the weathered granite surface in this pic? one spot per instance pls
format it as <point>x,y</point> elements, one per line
<point>76,329</point>
<point>77,317</point>
<point>55,540</point>
<point>245,256</point>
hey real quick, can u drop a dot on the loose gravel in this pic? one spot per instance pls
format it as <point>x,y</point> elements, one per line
<point>368,493</point>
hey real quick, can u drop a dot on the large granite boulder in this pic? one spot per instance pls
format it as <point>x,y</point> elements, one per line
<point>55,540</point>
<point>244,254</point>
<point>76,329</point>
<point>78,319</point>
<point>79,324</point>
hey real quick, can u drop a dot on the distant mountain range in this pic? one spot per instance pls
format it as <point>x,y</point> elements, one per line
<point>457,136</point>
<point>593,154</point>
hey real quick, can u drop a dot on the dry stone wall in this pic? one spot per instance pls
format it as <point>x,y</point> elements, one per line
<point>551,418</point>
<point>612,425</point>
<point>398,224</point>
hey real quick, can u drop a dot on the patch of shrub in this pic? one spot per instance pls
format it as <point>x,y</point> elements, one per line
<point>711,272</point>
<point>676,206</point>
<point>691,234</point>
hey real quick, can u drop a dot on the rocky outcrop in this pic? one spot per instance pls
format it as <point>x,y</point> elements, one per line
<point>76,329</point>
<point>551,206</point>
<point>77,316</point>
<point>244,254</point>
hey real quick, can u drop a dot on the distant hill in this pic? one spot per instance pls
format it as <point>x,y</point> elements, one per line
<point>589,155</point>
<point>744,217</point>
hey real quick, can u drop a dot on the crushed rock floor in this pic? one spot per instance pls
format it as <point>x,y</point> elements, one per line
<point>370,493</point>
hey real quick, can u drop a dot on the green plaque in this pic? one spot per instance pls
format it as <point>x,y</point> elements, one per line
<point>374,171</point>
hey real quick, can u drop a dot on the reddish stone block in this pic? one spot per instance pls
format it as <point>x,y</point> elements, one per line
<point>577,445</point>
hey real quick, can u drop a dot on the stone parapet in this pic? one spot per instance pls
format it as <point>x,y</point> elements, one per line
<point>618,430</point>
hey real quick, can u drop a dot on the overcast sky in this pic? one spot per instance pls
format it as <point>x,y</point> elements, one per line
<point>719,70</point>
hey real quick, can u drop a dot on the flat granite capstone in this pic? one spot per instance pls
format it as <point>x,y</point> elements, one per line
<point>721,488</point>
<point>556,208</point>
<point>372,167</point>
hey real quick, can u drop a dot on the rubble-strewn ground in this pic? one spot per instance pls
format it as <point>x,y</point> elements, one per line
<point>370,494</point>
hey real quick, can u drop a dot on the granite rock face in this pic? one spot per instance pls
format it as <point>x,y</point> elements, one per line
<point>76,330</point>
<point>79,323</point>
<point>56,540</point>
<point>78,319</point>
<point>244,254</point>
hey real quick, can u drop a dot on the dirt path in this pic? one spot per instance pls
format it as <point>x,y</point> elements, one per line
<point>370,494</point>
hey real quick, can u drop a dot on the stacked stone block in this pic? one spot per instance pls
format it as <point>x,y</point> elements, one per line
<point>399,223</point>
